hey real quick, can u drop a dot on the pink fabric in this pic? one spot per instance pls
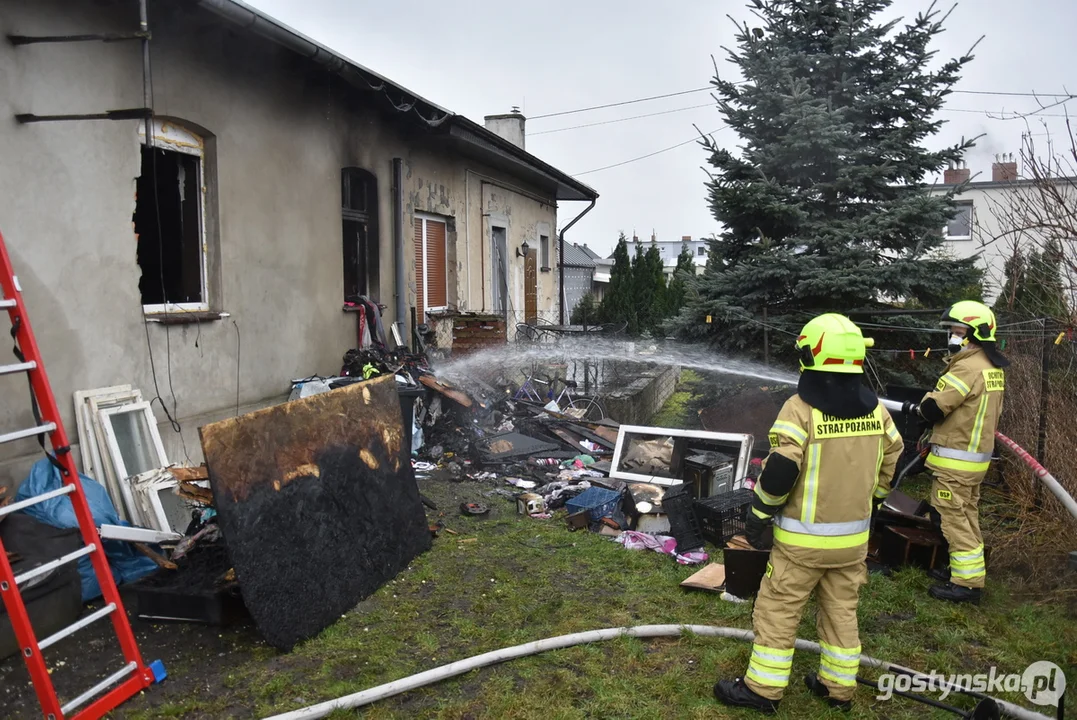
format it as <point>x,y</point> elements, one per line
<point>664,544</point>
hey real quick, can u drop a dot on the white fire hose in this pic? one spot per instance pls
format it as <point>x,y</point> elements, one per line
<point>365,697</point>
<point>1040,471</point>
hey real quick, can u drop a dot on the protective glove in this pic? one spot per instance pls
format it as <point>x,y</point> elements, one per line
<point>758,532</point>
<point>876,503</point>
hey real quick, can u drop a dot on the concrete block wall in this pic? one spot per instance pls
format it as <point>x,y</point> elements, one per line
<point>637,402</point>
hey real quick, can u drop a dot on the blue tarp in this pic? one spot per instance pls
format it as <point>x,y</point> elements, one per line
<point>127,564</point>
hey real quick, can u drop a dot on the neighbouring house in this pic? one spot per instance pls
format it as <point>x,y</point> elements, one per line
<point>985,224</point>
<point>670,251</point>
<point>579,275</point>
<point>211,255</point>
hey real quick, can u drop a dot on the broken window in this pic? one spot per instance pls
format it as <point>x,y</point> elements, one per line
<point>431,265</point>
<point>499,261</point>
<point>960,227</point>
<point>544,251</point>
<point>359,207</point>
<point>170,219</point>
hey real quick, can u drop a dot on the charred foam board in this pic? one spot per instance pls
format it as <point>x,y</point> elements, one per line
<point>317,503</point>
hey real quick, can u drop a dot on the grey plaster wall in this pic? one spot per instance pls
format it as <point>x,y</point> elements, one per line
<point>278,132</point>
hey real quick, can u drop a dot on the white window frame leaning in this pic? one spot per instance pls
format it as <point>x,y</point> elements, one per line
<point>167,135</point>
<point>743,442</point>
<point>425,218</point>
<point>121,473</point>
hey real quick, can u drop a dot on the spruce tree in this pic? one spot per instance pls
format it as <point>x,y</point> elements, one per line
<point>685,270</point>
<point>824,206</point>
<point>617,304</point>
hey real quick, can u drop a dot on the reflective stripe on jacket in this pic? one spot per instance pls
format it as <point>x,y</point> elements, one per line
<point>843,463</point>
<point>970,395</point>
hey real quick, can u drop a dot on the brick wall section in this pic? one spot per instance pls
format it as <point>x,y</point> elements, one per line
<point>637,402</point>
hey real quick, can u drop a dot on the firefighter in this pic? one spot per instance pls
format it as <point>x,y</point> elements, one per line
<point>964,410</point>
<point>833,450</point>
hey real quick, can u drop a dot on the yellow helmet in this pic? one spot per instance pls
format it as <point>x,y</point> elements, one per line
<point>976,316</point>
<point>832,343</point>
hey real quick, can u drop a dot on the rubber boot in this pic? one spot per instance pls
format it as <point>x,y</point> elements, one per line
<point>956,593</point>
<point>737,694</point>
<point>940,574</point>
<point>817,687</point>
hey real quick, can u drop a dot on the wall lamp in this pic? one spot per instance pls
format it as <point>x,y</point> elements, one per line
<point>522,250</point>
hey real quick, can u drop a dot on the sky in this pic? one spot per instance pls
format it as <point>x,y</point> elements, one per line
<point>481,57</point>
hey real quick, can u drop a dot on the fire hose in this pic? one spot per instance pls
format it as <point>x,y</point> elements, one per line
<point>365,697</point>
<point>1039,470</point>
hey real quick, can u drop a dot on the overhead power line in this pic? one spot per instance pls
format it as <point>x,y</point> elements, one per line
<point>644,157</point>
<point>997,93</point>
<point>618,104</point>
<point>625,119</point>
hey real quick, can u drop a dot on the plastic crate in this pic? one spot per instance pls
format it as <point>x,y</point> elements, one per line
<point>683,524</point>
<point>598,502</point>
<point>722,516</point>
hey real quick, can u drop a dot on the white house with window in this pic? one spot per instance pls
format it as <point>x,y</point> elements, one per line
<point>223,234</point>
<point>982,224</point>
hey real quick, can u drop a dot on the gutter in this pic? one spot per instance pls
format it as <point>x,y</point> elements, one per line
<point>561,257</point>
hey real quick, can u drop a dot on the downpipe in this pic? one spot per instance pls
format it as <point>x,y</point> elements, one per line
<point>1039,470</point>
<point>366,697</point>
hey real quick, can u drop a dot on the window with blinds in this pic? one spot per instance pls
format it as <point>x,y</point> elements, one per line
<point>431,266</point>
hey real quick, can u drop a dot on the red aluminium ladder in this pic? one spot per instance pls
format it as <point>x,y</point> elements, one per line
<point>135,675</point>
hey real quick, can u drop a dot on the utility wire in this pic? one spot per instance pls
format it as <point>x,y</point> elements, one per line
<point>619,120</point>
<point>644,157</point>
<point>994,93</point>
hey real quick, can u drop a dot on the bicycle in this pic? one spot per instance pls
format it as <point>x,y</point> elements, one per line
<point>582,407</point>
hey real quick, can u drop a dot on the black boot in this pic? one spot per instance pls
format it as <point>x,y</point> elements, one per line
<point>940,574</point>
<point>736,693</point>
<point>956,593</point>
<point>820,690</point>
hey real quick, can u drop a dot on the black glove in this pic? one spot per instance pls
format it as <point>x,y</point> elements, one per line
<point>876,503</point>
<point>759,533</point>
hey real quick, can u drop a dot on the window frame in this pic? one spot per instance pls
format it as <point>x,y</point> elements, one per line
<point>423,282</point>
<point>368,218</point>
<point>170,135</point>
<point>961,205</point>
<point>544,253</point>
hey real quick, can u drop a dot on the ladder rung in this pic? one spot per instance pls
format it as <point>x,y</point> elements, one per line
<point>110,680</point>
<point>17,367</point>
<point>42,569</point>
<point>13,507</point>
<point>75,627</point>
<point>28,432</point>
<point>7,303</point>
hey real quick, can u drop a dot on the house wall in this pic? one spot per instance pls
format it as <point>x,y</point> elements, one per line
<point>277,135</point>
<point>578,282</point>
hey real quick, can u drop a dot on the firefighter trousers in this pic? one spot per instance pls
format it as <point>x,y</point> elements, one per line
<point>778,607</point>
<point>955,494</point>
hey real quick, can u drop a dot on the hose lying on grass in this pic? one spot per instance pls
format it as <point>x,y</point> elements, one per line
<point>460,667</point>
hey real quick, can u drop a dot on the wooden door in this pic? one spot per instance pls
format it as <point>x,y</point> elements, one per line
<point>530,288</point>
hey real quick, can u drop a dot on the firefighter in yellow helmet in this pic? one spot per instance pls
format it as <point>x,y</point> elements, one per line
<point>964,409</point>
<point>833,449</point>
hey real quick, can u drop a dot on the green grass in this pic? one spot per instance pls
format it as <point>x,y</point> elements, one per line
<point>525,579</point>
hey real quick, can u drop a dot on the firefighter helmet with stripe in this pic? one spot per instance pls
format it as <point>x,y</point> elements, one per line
<point>973,315</point>
<point>832,343</point>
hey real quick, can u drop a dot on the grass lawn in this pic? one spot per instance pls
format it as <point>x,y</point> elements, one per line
<point>523,579</point>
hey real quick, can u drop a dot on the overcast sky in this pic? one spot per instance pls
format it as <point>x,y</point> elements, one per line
<point>480,57</point>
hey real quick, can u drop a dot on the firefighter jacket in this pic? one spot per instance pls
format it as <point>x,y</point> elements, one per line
<point>821,479</point>
<point>969,396</point>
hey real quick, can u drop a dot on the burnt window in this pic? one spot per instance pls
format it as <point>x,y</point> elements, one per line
<point>359,208</point>
<point>170,220</point>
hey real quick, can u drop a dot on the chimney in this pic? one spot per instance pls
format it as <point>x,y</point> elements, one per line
<point>510,126</point>
<point>955,174</point>
<point>654,236</point>
<point>1004,168</point>
<point>635,238</point>
<point>686,238</point>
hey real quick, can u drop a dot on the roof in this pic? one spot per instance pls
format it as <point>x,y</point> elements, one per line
<point>576,256</point>
<point>590,253</point>
<point>987,184</point>
<point>465,135</point>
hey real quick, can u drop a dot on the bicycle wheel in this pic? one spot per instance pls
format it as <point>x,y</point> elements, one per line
<point>586,407</point>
